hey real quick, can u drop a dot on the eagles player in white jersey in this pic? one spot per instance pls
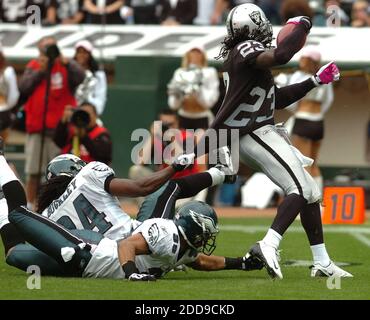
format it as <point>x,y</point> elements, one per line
<point>84,196</point>
<point>249,104</point>
<point>155,247</point>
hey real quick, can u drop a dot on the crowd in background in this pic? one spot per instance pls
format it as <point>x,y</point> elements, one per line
<point>354,13</point>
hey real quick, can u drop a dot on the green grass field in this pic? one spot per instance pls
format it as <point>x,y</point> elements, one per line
<point>345,244</point>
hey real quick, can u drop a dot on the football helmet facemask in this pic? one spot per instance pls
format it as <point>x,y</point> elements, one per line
<point>249,20</point>
<point>64,165</point>
<point>197,223</point>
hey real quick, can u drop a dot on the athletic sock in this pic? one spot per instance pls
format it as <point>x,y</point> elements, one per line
<point>7,174</point>
<point>217,175</point>
<point>191,185</point>
<point>320,255</point>
<point>272,238</point>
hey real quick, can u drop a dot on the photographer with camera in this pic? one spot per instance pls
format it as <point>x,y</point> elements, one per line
<point>78,133</point>
<point>46,87</point>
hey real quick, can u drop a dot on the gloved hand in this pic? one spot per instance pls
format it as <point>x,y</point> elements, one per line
<point>250,263</point>
<point>305,21</point>
<point>327,73</point>
<point>184,161</point>
<point>141,277</point>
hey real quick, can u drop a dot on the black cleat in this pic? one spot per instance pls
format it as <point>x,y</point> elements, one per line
<point>251,263</point>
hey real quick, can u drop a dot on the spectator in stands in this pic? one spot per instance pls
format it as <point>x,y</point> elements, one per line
<point>65,76</point>
<point>9,94</point>
<point>294,8</point>
<point>94,88</point>
<point>65,12</point>
<point>222,8</point>
<point>194,90</point>
<point>329,15</point>
<point>155,146</point>
<point>15,11</point>
<point>177,12</point>
<point>360,16</point>
<point>78,133</point>
<point>144,11</point>
<point>205,11</point>
<point>104,11</point>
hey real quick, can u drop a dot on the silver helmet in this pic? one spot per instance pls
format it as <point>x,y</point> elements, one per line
<point>249,20</point>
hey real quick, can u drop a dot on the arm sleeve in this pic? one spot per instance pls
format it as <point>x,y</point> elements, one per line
<point>100,148</point>
<point>98,96</point>
<point>290,45</point>
<point>13,92</point>
<point>76,75</point>
<point>209,91</point>
<point>30,80</point>
<point>287,95</point>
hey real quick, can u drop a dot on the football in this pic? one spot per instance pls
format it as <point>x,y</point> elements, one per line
<point>285,31</point>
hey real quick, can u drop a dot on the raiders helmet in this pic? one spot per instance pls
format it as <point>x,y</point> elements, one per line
<point>64,165</point>
<point>197,223</point>
<point>249,20</point>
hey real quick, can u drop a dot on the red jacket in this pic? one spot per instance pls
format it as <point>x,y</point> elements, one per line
<point>60,95</point>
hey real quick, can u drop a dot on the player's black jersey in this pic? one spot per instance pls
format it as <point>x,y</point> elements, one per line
<point>249,101</point>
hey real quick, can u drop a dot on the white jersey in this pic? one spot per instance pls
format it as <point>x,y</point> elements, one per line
<point>163,240</point>
<point>86,204</point>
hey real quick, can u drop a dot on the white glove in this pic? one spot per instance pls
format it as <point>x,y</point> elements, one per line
<point>184,161</point>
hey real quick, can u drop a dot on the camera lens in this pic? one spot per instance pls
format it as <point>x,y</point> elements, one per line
<point>80,118</point>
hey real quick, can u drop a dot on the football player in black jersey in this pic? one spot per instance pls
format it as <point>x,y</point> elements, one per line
<point>249,104</point>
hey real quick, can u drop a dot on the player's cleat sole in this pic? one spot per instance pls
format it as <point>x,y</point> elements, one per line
<point>332,270</point>
<point>267,255</point>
